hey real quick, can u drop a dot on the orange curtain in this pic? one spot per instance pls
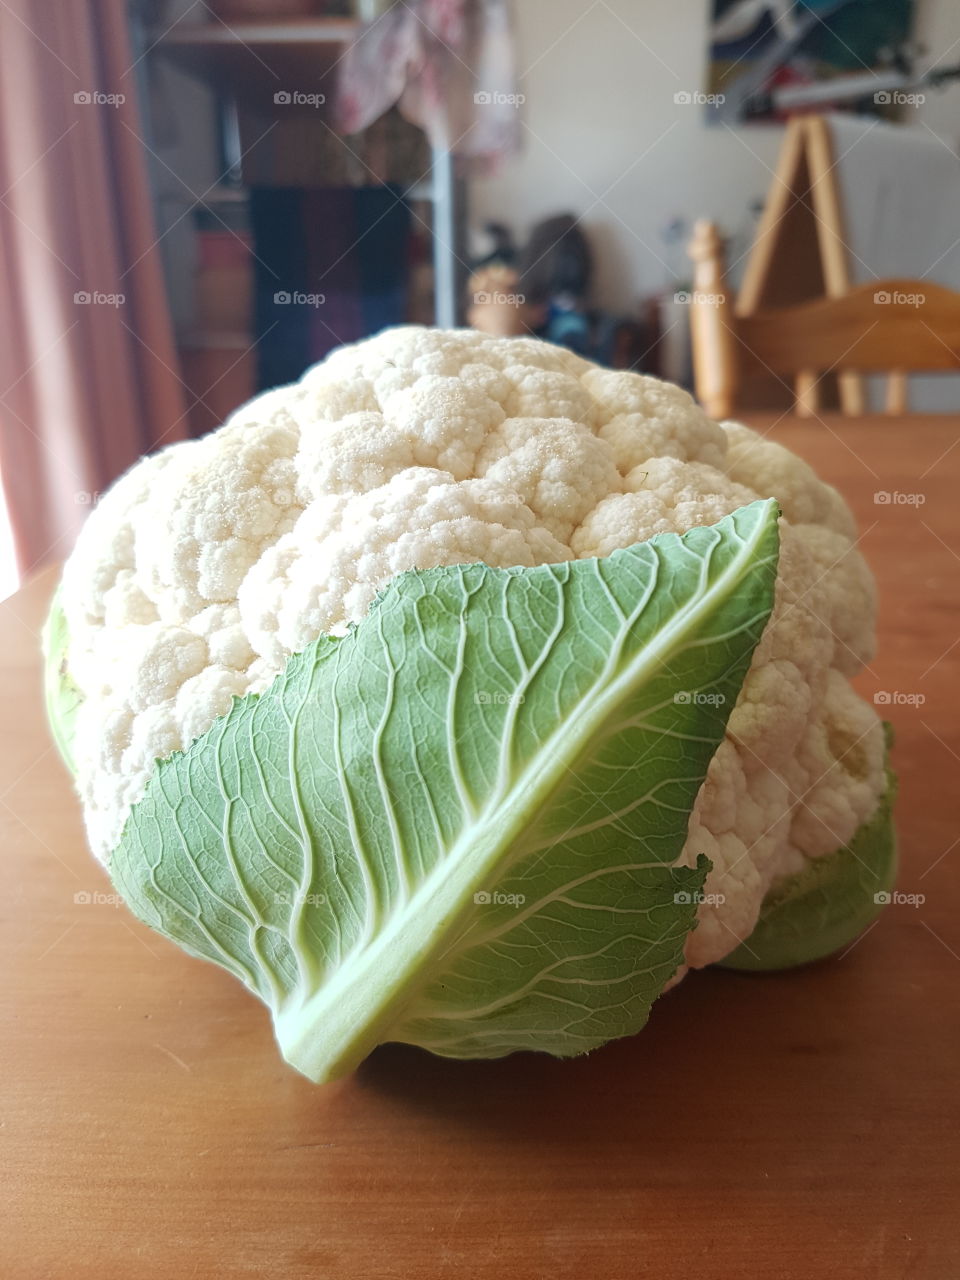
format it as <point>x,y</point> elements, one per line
<point>88,367</point>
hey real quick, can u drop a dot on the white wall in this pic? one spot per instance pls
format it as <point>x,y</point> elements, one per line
<point>604,138</point>
<point>938,32</point>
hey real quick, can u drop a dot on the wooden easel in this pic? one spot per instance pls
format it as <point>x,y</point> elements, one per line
<point>844,217</point>
<point>800,251</point>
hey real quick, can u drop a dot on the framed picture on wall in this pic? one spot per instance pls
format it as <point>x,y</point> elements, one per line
<point>760,46</point>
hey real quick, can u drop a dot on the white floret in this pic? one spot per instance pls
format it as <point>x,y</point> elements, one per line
<point>559,468</point>
<point>208,564</point>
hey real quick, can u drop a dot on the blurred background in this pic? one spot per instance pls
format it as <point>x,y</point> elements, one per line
<point>199,200</point>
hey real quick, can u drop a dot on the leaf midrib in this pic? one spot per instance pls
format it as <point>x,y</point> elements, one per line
<point>466,866</point>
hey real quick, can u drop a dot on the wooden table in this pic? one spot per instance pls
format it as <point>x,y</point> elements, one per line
<point>801,1125</point>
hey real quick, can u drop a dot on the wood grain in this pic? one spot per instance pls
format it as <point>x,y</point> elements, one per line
<point>915,327</point>
<point>799,1125</point>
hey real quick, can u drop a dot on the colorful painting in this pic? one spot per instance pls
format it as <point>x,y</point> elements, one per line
<point>761,50</point>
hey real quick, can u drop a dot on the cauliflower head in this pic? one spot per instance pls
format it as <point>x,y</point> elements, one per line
<point>210,563</point>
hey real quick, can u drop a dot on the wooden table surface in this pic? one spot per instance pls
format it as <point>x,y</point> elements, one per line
<point>796,1125</point>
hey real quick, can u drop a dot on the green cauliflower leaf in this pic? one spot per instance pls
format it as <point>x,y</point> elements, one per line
<point>456,825</point>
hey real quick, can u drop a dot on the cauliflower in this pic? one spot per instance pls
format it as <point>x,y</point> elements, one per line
<point>210,563</point>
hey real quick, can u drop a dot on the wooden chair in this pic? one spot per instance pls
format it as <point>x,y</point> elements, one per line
<point>887,326</point>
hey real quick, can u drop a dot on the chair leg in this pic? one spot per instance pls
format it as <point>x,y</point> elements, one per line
<point>852,401</point>
<point>896,400</point>
<point>806,388</point>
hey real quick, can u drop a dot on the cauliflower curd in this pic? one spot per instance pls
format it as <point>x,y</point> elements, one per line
<point>210,563</point>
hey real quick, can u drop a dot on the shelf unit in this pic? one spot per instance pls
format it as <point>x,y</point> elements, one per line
<point>250,62</point>
<point>210,35</point>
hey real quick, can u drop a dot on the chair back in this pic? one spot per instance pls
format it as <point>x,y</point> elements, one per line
<point>893,327</point>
